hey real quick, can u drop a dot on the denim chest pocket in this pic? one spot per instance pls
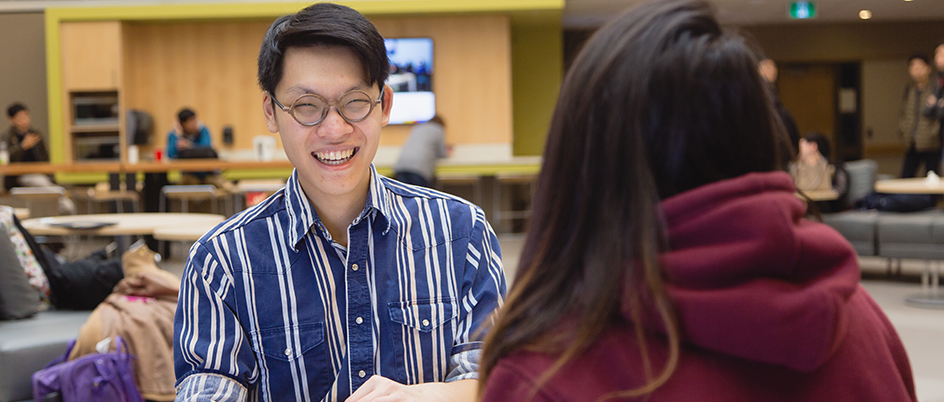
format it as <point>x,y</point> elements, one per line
<point>277,343</point>
<point>289,360</point>
<point>423,325</point>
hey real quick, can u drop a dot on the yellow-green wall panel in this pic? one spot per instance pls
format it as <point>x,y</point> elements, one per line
<point>537,67</point>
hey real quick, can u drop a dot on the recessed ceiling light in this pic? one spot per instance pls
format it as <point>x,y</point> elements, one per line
<point>909,0</point>
<point>865,14</point>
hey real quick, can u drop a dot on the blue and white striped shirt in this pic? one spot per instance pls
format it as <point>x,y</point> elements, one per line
<point>271,308</point>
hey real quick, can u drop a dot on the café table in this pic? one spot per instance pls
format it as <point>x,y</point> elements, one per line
<point>822,195</point>
<point>931,296</point>
<point>137,224</point>
<point>916,185</point>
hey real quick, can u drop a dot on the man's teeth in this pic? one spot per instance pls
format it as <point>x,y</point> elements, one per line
<point>335,157</point>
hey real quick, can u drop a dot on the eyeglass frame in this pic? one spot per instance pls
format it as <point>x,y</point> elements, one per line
<point>324,115</point>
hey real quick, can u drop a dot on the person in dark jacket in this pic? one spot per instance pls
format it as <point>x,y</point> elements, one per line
<point>668,258</point>
<point>918,130</point>
<point>768,70</point>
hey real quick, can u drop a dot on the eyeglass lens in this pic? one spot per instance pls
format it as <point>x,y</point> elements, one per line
<point>312,109</point>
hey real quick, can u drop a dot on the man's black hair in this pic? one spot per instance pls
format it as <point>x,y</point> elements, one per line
<point>185,114</point>
<point>921,56</point>
<point>323,24</point>
<point>15,108</point>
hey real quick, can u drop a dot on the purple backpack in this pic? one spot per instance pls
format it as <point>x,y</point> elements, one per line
<point>94,377</point>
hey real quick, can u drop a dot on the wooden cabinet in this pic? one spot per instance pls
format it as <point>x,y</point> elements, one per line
<point>91,54</point>
<point>91,79</point>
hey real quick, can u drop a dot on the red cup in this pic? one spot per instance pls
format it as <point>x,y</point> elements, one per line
<point>158,155</point>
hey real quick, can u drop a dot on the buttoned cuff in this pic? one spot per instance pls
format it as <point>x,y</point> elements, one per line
<point>464,365</point>
<point>206,387</point>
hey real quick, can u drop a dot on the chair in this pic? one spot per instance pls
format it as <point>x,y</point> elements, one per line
<point>35,197</point>
<point>502,179</point>
<point>101,193</point>
<point>185,193</point>
<point>267,186</point>
<point>457,179</point>
<point>858,227</point>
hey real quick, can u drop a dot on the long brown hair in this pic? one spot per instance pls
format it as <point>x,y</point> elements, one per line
<point>658,102</point>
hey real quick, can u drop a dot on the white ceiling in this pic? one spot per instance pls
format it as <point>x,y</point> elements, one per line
<point>592,13</point>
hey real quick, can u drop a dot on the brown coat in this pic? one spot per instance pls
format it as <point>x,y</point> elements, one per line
<point>913,127</point>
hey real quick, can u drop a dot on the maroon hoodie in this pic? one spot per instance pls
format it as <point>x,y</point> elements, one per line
<point>769,305</point>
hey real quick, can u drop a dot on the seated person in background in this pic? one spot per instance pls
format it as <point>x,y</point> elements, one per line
<point>426,144</point>
<point>190,139</point>
<point>344,285</point>
<point>813,172</point>
<point>25,144</point>
<point>667,258</point>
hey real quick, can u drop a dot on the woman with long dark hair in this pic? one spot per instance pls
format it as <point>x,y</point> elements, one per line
<point>667,256</point>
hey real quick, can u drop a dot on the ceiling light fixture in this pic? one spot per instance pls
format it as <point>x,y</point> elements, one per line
<point>865,14</point>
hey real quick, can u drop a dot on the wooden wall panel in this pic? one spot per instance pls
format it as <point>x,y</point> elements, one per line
<point>207,66</point>
<point>211,67</point>
<point>471,75</point>
<point>90,55</point>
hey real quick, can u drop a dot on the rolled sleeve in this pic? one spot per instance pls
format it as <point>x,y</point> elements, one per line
<point>484,294</point>
<point>209,341</point>
<point>210,387</point>
<point>464,365</point>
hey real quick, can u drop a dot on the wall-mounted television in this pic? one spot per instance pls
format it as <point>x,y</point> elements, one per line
<point>411,73</point>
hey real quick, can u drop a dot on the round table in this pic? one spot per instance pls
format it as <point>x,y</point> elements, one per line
<point>916,185</point>
<point>821,195</point>
<point>191,232</point>
<point>141,224</point>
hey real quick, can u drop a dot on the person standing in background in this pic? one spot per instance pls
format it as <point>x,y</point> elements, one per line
<point>426,145</point>
<point>919,132</point>
<point>935,105</point>
<point>768,71</point>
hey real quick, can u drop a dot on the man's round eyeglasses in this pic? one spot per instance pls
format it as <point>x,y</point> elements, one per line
<point>311,109</point>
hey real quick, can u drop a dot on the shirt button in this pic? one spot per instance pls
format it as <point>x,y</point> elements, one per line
<point>354,267</point>
<point>288,352</point>
<point>425,323</point>
<point>361,374</point>
<point>359,320</point>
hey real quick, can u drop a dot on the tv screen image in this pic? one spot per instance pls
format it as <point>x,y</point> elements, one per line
<point>411,72</point>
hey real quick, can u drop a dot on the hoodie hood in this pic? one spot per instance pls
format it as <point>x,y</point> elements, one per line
<point>749,277</point>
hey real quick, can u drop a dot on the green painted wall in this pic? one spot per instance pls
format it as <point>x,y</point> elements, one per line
<point>537,70</point>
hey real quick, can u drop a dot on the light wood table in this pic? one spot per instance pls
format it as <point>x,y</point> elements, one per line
<point>821,195</point>
<point>139,224</point>
<point>200,165</point>
<point>918,185</point>
<point>190,232</point>
<point>20,168</point>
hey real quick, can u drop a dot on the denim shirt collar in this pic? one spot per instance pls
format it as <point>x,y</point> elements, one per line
<point>303,218</point>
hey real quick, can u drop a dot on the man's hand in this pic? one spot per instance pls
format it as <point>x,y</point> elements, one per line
<point>183,143</point>
<point>931,100</point>
<point>30,141</point>
<point>380,389</point>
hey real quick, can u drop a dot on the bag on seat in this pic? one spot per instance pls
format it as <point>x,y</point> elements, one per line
<point>104,377</point>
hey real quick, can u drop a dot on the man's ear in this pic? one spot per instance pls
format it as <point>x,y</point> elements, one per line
<point>268,110</point>
<point>387,105</point>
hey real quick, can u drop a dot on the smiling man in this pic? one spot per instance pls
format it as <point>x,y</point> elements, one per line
<point>344,285</point>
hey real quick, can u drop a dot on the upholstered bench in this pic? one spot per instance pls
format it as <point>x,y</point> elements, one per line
<point>911,235</point>
<point>858,227</point>
<point>28,344</point>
